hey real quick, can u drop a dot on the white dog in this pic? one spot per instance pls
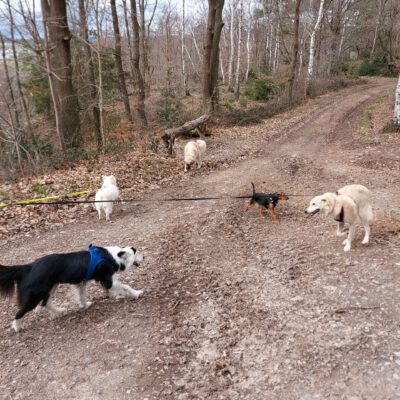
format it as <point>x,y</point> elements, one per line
<point>108,191</point>
<point>194,153</point>
<point>346,205</point>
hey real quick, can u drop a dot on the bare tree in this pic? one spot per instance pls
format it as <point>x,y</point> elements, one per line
<point>211,53</point>
<point>310,68</point>
<point>232,6</point>
<point>138,79</point>
<point>183,30</point>
<point>93,95</point>
<point>55,16</point>
<point>295,50</point>
<point>118,61</point>
<point>397,104</point>
<point>237,76</point>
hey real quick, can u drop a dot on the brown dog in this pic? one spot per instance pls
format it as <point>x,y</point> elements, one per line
<point>267,201</point>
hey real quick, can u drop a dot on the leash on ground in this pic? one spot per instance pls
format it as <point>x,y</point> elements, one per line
<point>35,202</point>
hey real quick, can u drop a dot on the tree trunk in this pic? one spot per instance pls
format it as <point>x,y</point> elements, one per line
<point>169,135</point>
<point>211,53</point>
<point>248,49</point>
<point>93,95</point>
<point>18,79</point>
<point>50,78</point>
<point>310,68</point>
<point>397,104</point>
<point>118,61</point>
<point>184,74</point>
<point>239,48</point>
<point>232,46</point>
<point>139,83</point>
<point>100,68</point>
<point>54,12</point>
<point>143,40</point>
<point>295,51</point>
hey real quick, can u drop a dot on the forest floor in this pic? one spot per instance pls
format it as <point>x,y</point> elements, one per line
<point>235,307</point>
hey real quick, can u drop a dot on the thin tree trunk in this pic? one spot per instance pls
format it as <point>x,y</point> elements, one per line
<point>139,82</point>
<point>378,22</point>
<point>100,68</point>
<point>93,96</point>
<point>211,53</point>
<point>184,74</point>
<point>232,46</point>
<point>143,42</point>
<point>239,48</point>
<point>397,104</point>
<point>118,61</point>
<point>248,51</point>
<point>50,79</point>
<point>14,119</point>
<point>295,51</point>
<point>195,45</point>
<point>128,35</point>
<point>18,79</point>
<point>55,12</point>
<point>9,84</point>
<point>310,68</point>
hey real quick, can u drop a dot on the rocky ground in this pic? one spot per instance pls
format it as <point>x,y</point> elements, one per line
<point>235,306</point>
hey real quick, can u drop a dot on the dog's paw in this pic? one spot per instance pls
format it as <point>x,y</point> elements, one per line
<point>136,293</point>
<point>340,233</point>
<point>347,247</point>
<point>56,311</point>
<point>16,325</point>
<point>365,241</point>
<point>86,305</point>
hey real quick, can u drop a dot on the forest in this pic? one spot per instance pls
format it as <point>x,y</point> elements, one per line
<point>74,72</point>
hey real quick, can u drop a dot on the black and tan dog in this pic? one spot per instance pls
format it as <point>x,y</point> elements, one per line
<point>267,201</point>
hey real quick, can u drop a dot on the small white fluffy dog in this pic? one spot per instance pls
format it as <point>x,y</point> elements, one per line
<point>108,191</point>
<point>346,205</point>
<point>194,153</point>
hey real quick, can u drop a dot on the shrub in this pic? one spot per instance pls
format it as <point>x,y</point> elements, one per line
<point>391,127</point>
<point>168,107</point>
<point>261,89</point>
<point>374,67</point>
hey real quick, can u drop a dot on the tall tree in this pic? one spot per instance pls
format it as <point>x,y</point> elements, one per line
<point>397,104</point>
<point>211,53</point>
<point>54,14</point>
<point>183,47</point>
<point>138,78</point>
<point>93,93</point>
<point>310,68</point>
<point>232,7</point>
<point>118,60</point>
<point>295,50</point>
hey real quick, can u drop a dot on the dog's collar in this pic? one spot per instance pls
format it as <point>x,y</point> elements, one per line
<point>95,259</point>
<point>340,216</point>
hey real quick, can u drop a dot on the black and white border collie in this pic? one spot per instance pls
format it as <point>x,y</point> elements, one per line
<point>37,281</point>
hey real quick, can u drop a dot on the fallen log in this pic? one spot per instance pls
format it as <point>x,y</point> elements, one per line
<point>169,135</point>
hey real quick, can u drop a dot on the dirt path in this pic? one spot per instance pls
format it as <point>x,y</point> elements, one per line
<point>235,307</point>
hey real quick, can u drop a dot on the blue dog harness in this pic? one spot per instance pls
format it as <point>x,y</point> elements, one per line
<point>95,259</point>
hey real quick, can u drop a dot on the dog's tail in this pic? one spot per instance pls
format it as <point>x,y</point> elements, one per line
<point>11,275</point>
<point>254,188</point>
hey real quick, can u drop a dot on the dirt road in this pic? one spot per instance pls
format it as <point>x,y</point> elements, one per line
<point>235,307</point>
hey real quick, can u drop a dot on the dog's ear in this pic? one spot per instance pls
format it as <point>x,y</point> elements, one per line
<point>90,245</point>
<point>121,253</point>
<point>134,250</point>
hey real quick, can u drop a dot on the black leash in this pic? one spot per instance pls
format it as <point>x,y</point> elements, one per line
<point>70,202</point>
